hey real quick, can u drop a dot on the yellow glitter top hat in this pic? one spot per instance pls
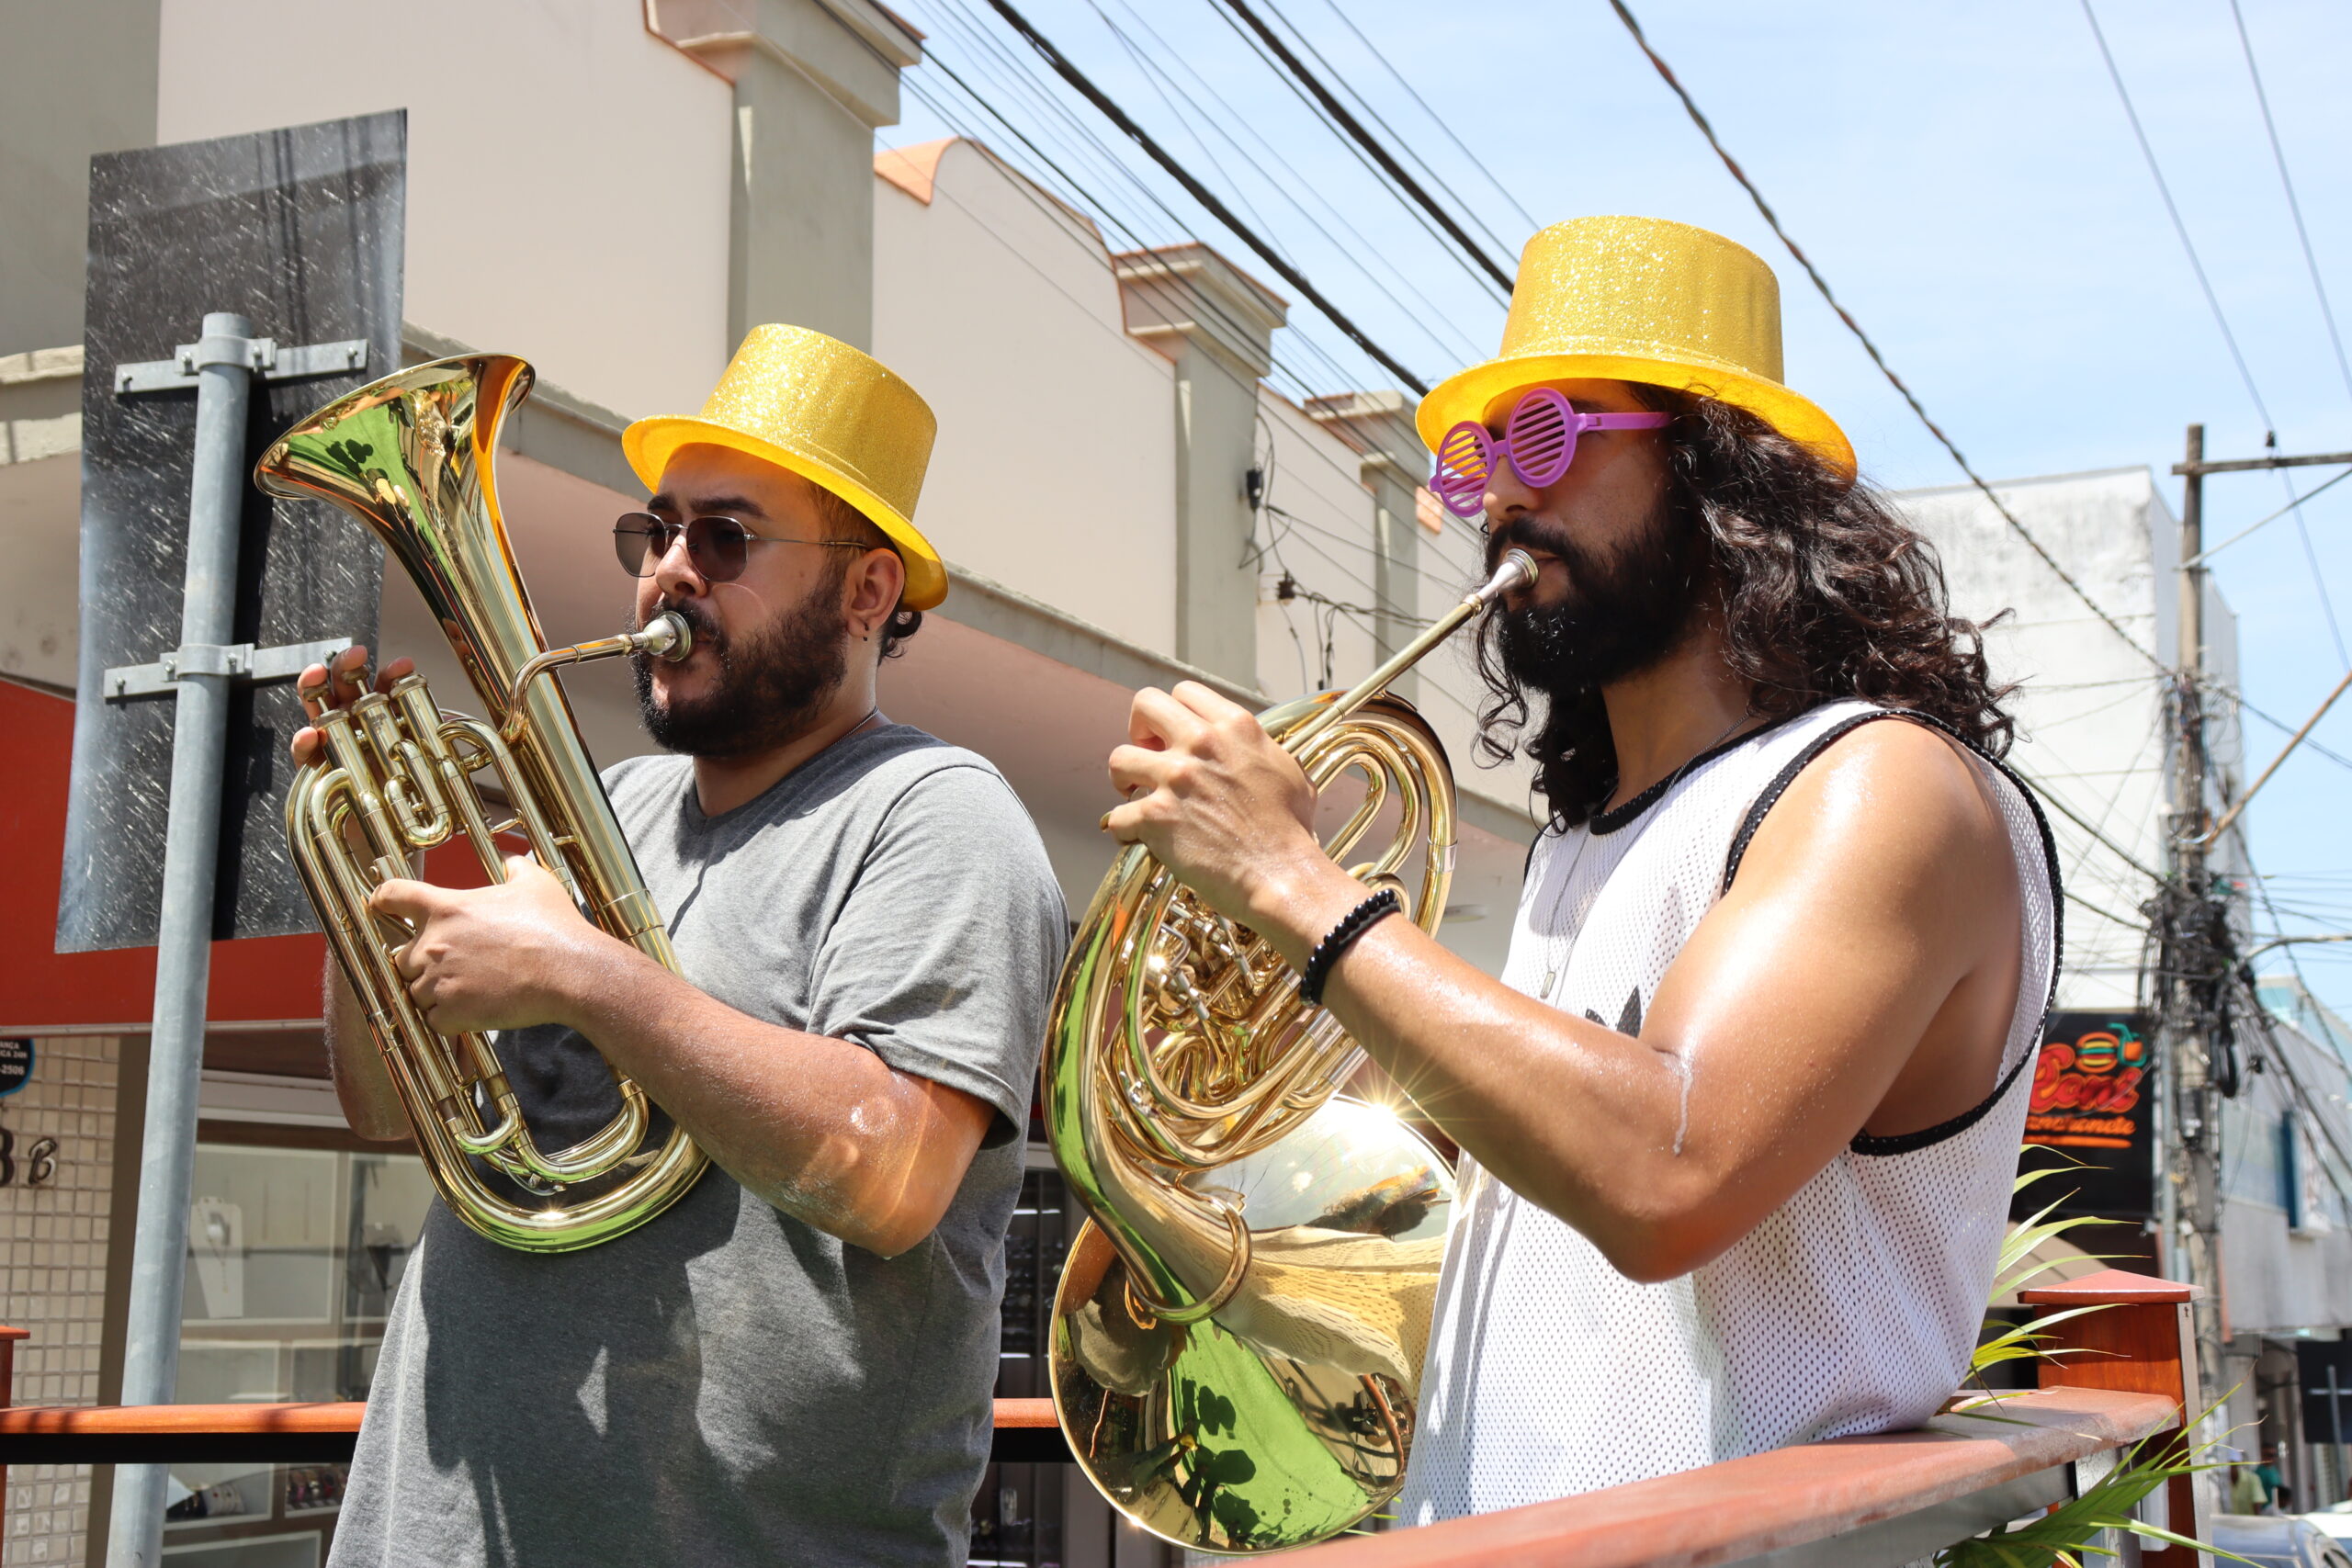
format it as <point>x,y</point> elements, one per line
<point>1640,299</point>
<point>838,418</point>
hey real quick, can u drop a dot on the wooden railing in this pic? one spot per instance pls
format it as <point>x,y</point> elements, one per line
<point>1855,1502</point>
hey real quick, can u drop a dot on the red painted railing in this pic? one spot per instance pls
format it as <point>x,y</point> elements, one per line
<point>1861,1500</point>
<point>321,1432</point>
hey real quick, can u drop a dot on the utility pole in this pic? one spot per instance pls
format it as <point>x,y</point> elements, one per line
<point>2192,970</point>
<point>2198,948</point>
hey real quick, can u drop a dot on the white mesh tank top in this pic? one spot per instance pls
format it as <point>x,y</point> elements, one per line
<point>1853,1308</point>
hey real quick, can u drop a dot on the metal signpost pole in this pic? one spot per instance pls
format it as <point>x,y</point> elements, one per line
<point>2335,1393</point>
<point>184,942</point>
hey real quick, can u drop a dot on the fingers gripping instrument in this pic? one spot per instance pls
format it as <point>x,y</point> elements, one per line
<point>1238,1336</point>
<point>410,457</point>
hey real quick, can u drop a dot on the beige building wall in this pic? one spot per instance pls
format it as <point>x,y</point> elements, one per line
<point>40,498</point>
<point>1315,523</point>
<point>567,170</point>
<point>1055,472</point>
<point>1453,561</point>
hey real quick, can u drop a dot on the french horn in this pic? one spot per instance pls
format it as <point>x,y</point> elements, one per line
<point>1238,1336</point>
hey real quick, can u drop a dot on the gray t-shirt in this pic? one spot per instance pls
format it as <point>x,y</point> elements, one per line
<point>726,1384</point>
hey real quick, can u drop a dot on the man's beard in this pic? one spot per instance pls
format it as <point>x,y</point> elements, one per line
<point>1624,609</point>
<point>772,684</point>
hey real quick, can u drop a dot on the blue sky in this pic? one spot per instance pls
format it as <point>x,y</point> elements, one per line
<point>1962,173</point>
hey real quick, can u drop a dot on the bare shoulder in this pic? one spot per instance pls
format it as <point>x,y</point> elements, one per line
<point>1905,801</point>
<point>1898,763</point>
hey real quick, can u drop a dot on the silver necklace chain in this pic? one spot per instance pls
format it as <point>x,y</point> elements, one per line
<point>1557,943</point>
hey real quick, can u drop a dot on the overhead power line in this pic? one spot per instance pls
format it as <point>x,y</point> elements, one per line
<point>2172,209</point>
<point>2108,915</point>
<point>2279,156</point>
<point>2209,551</point>
<point>2281,725</point>
<point>2294,965</point>
<point>1074,197</point>
<point>1208,199</point>
<point>1402,143</point>
<point>1435,118</point>
<point>1080,198</point>
<point>2326,313</point>
<point>1451,251</point>
<point>1161,83</point>
<point>1820,285</point>
<point>2214,301</point>
<point>1132,232</point>
<point>1371,144</point>
<point>2087,826</point>
<point>1293,187</point>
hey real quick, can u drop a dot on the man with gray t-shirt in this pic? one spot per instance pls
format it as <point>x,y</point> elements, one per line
<point>794,1362</point>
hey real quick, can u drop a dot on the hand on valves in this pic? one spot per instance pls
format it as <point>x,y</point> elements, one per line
<point>337,683</point>
<point>481,958</point>
<point>1230,813</point>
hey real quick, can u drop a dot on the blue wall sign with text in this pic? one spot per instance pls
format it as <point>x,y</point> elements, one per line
<point>16,1064</point>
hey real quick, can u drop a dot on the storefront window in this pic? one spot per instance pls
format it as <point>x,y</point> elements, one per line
<point>1019,1512</point>
<point>294,1255</point>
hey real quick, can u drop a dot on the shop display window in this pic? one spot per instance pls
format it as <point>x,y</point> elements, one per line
<point>294,1255</point>
<point>1019,1513</point>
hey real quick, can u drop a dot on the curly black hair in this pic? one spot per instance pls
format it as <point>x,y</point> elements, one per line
<point>1825,592</point>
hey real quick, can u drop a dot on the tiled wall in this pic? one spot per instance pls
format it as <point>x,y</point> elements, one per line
<point>52,1277</point>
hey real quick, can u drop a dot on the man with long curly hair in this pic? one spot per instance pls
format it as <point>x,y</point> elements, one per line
<point>1739,1120</point>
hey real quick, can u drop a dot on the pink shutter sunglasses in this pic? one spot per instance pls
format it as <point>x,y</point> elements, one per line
<point>1538,441</point>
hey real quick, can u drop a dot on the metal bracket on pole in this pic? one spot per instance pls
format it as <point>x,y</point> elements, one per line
<point>238,661</point>
<point>2197,468</point>
<point>259,354</point>
<point>221,365</point>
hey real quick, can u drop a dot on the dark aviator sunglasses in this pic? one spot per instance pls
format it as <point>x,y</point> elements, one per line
<point>719,546</point>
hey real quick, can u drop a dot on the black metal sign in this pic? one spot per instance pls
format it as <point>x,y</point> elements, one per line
<point>2093,1110</point>
<point>301,232</point>
<point>2323,1367</point>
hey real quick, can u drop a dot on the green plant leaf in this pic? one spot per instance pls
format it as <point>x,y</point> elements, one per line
<point>2072,1528</point>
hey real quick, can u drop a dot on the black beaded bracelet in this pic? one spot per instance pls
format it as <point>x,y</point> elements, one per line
<point>1354,924</point>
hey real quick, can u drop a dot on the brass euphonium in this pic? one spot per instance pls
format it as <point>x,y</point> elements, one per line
<point>411,456</point>
<point>1238,1338</point>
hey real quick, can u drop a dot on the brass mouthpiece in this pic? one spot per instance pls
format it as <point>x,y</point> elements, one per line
<point>666,636</point>
<point>1516,570</point>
